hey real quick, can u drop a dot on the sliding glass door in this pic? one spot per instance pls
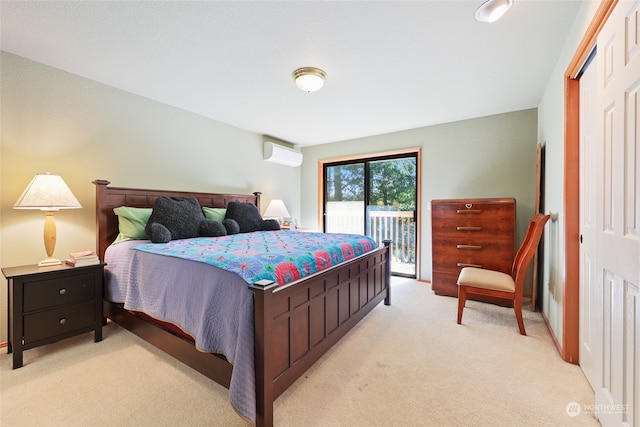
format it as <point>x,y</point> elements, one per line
<point>344,204</point>
<point>376,197</point>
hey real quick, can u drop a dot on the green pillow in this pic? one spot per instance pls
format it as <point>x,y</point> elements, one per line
<point>131,223</point>
<point>214,214</point>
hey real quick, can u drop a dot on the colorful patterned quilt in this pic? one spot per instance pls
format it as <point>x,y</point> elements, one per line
<point>281,256</point>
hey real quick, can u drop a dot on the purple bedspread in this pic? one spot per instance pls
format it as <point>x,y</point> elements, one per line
<point>213,305</point>
<point>279,256</point>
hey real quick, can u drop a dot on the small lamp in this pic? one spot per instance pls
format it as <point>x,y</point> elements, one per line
<point>276,210</point>
<point>48,193</point>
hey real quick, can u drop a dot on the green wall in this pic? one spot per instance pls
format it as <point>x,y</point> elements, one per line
<point>491,156</point>
<point>57,122</point>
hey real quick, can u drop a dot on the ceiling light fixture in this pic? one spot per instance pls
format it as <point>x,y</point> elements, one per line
<point>492,10</point>
<point>309,79</point>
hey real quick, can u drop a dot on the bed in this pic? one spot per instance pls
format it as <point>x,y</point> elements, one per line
<point>293,325</point>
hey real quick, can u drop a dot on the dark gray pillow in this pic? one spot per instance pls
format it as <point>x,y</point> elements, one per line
<point>180,216</point>
<point>211,228</point>
<point>248,217</point>
<point>158,233</point>
<point>270,225</point>
<point>231,226</point>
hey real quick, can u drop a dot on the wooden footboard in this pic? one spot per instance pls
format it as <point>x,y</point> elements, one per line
<point>296,325</point>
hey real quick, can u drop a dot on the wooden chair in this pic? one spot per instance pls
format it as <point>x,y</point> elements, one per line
<point>479,281</point>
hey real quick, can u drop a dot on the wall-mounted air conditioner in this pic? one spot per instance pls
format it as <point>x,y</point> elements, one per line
<point>277,153</point>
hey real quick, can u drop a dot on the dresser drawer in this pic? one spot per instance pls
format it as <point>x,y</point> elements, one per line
<point>55,292</point>
<point>444,283</point>
<point>453,263</point>
<point>58,321</point>
<point>473,208</point>
<point>473,227</point>
<point>477,244</point>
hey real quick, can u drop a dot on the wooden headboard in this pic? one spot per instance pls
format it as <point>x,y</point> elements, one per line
<point>108,198</point>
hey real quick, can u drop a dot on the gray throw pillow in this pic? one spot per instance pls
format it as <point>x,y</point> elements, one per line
<point>174,218</point>
<point>248,217</point>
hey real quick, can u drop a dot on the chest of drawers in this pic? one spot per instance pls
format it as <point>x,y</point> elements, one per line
<point>470,232</point>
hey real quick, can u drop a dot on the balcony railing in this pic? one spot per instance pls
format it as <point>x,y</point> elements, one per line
<point>397,226</point>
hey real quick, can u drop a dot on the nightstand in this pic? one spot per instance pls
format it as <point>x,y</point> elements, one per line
<point>47,304</point>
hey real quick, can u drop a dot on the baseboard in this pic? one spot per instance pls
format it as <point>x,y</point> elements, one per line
<point>553,335</point>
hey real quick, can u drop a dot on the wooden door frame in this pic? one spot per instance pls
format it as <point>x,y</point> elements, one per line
<point>570,346</point>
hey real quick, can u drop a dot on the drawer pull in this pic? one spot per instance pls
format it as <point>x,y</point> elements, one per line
<point>62,291</point>
<point>62,321</point>
<point>462,264</point>
<point>474,247</point>
<point>469,211</point>
<point>469,228</point>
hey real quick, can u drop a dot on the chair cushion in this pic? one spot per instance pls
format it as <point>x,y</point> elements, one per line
<point>486,279</point>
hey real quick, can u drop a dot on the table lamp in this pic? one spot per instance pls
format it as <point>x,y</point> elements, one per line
<point>48,193</point>
<point>277,210</point>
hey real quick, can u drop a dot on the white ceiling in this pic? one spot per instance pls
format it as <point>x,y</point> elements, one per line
<point>391,65</point>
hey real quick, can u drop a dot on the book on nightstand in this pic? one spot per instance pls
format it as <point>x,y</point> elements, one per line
<point>79,259</point>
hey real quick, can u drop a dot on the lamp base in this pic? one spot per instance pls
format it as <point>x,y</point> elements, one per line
<point>47,262</point>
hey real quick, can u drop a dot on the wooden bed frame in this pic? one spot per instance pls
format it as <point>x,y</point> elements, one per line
<point>294,325</point>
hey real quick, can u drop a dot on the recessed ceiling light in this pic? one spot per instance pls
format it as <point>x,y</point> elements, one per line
<point>492,10</point>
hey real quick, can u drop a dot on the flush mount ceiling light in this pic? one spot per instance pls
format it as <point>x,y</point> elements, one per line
<point>492,10</point>
<point>309,79</point>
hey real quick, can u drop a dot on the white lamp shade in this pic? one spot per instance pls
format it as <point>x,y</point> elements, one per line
<point>48,193</point>
<point>276,209</point>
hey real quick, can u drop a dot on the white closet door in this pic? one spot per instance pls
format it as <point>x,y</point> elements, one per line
<point>590,313</point>
<point>618,216</point>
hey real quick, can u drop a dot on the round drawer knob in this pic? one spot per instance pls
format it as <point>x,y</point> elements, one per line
<point>62,321</point>
<point>62,291</point>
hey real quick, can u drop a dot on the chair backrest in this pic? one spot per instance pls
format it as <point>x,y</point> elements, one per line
<point>527,249</point>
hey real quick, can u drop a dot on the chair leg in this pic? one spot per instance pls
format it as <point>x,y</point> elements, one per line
<point>517,308</point>
<point>462,298</point>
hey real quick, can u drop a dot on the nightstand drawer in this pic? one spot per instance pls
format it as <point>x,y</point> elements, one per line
<point>54,292</point>
<point>58,321</point>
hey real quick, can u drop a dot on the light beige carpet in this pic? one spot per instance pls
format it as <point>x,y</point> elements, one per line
<point>409,364</point>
